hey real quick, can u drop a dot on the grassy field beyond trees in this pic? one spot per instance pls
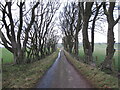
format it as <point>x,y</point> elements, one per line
<point>7,56</point>
<point>99,53</point>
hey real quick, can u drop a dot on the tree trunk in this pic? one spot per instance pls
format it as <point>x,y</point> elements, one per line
<point>92,35</point>
<point>76,45</point>
<point>48,50</point>
<point>77,30</point>
<point>86,44</point>
<point>107,64</point>
<point>93,25</point>
<point>18,56</point>
<point>42,53</point>
<point>70,43</point>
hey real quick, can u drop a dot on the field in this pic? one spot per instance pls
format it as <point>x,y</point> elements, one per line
<point>99,54</point>
<point>7,56</point>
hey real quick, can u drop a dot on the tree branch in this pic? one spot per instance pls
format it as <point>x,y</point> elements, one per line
<point>105,10</point>
<point>29,26</point>
<point>116,21</point>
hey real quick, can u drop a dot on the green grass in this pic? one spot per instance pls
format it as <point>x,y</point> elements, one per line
<point>27,75</point>
<point>99,54</point>
<point>98,78</point>
<point>7,56</point>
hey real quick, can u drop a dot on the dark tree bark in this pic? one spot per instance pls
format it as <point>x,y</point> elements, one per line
<point>76,44</point>
<point>93,25</point>
<point>86,14</point>
<point>64,41</point>
<point>21,53</point>
<point>14,43</point>
<point>43,23</point>
<point>68,24</point>
<point>107,63</point>
<point>78,28</point>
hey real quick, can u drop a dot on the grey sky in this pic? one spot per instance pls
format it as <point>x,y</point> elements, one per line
<point>99,38</point>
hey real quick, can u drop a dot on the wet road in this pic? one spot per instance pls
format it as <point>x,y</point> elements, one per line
<point>62,75</point>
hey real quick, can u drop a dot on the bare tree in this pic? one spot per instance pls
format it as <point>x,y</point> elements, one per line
<point>96,13</point>
<point>14,44</point>
<point>68,22</point>
<point>86,9</point>
<point>45,21</point>
<point>107,64</point>
<point>78,28</point>
<point>40,36</point>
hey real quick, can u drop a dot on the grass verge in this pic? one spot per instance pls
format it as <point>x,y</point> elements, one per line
<point>26,76</point>
<point>98,78</point>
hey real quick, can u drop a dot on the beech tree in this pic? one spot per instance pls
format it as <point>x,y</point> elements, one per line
<point>45,23</point>
<point>96,13</point>
<point>27,36</point>
<point>66,23</point>
<point>70,22</point>
<point>12,40</point>
<point>86,9</point>
<point>78,27</point>
<point>41,43</point>
<point>107,64</point>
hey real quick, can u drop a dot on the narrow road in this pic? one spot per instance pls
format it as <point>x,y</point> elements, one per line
<point>62,75</point>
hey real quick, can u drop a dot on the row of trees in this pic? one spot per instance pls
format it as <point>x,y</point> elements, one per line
<point>29,35</point>
<point>84,16</point>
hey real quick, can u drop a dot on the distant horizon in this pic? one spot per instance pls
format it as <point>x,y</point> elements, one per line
<point>97,43</point>
<point>79,43</point>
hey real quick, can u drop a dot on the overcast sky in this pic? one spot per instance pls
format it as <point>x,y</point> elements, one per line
<point>100,37</point>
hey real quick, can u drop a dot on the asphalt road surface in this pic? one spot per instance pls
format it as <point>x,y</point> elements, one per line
<point>62,75</point>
